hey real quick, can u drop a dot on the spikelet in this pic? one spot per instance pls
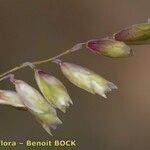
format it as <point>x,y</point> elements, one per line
<point>37,105</point>
<point>86,79</point>
<point>135,34</point>
<point>53,90</point>
<point>11,98</point>
<point>109,48</point>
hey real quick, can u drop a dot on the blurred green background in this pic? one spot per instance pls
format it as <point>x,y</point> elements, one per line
<point>37,29</point>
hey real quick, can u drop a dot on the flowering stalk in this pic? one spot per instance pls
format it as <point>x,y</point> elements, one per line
<point>52,93</point>
<point>23,65</point>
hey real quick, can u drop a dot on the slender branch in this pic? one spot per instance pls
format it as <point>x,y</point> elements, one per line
<point>73,49</point>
